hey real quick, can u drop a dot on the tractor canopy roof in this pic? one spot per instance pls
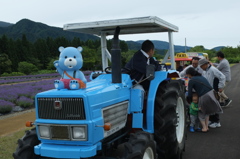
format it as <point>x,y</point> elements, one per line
<point>150,24</point>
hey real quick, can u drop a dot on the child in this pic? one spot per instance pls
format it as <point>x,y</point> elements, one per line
<point>193,111</point>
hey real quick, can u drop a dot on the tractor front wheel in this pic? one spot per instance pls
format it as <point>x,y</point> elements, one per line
<point>141,145</point>
<point>170,119</point>
<point>25,149</point>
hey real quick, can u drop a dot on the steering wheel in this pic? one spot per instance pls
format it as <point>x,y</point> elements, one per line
<point>108,70</point>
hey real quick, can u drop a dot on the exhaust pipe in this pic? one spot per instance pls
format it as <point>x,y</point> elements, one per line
<point>116,58</point>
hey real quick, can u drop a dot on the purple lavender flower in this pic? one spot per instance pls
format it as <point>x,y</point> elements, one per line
<point>23,93</point>
<point>6,106</point>
<point>16,79</point>
<point>24,102</point>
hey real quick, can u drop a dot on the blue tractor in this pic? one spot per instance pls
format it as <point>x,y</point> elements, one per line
<point>108,113</point>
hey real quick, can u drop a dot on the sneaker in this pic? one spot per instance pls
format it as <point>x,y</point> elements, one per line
<point>212,125</point>
<point>227,102</point>
<point>215,125</point>
<point>191,129</point>
<point>218,125</point>
<point>222,104</point>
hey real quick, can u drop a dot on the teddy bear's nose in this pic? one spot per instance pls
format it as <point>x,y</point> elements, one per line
<point>70,59</point>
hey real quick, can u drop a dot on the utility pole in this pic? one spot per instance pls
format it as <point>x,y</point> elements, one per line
<point>185,45</point>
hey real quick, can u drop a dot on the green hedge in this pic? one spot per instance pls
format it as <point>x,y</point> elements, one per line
<point>5,109</point>
<point>13,74</point>
<point>234,60</point>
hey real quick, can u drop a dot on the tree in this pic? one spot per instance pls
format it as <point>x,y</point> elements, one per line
<point>76,42</point>
<point>61,41</point>
<point>90,58</point>
<point>5,63</point>
<point>123,46</point>
<point>198,48</point>
<point>13,54</point>
<point>211,53</point>
<point>42,53</point>
<point>27,68</point>
<point>3,44</point>
<point>126,56</point>
<point>50,65</point>
<point>26,49</point>
<point>230,52</point>
<point>52,47</point>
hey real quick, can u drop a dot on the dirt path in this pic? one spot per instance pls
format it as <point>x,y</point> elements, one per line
<point>14,122</point>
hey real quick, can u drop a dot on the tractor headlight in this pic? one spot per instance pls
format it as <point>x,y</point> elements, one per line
<point>44,131</point>
<point>79,132</point>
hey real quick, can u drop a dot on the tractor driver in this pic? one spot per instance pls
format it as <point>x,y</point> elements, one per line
<point>138,63</point>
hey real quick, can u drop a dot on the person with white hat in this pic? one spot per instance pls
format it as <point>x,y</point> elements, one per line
<point>211,74</point>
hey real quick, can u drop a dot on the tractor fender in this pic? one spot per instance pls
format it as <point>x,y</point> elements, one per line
<point>160,76</point>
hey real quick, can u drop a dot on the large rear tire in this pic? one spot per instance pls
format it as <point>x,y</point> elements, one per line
<point>25,149</point>
<point>170,119</point>
<point>141,145</point>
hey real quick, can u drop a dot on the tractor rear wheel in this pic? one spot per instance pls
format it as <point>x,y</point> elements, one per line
<point>141,145</point>
<point>170,119</point>
<point>25,149</point>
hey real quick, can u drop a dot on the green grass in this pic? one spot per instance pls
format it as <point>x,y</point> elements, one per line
<point>8,144</point>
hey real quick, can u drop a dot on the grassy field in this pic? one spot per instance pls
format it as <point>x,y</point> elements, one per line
<point>8,144</point>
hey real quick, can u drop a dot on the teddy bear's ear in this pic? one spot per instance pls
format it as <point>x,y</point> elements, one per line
<point>60,49</point>
<point>80,49</point>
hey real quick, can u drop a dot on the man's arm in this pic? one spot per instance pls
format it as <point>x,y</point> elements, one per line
<point>183,73</point>
<point>221,66</point>
<point>218,74</point>
<point>215,64</point>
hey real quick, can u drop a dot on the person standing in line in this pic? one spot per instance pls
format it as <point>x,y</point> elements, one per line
<point>211,74</point>
<point>207,103</point>
<point>224,67</point>
<point>193,111</point>
<point>194,65</point>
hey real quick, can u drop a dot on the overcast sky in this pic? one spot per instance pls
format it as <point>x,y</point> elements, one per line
<point>209,23</point>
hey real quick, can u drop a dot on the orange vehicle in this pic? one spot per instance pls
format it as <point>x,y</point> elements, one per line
<point>185,58</point>
<point>180,60</point>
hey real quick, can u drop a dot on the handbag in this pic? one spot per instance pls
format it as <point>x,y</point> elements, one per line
<point>216,94</point>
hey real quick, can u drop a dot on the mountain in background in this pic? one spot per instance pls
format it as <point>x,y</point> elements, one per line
<point>162,46</point>
<point>5,24</point>
<point>218,48</point>
<point>35,30</point>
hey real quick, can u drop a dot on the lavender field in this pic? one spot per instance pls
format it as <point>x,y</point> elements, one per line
<point>22,90</point>
<point>21,94</point>
<point>16,79</point>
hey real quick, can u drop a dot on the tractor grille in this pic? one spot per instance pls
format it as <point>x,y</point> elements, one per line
<point>61,108</point>
<point>116,115</point>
